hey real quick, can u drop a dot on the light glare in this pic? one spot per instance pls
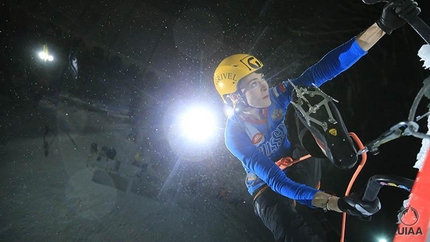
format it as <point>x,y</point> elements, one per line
<point>228,111</point>
<point>198,124</point>
<point>45,57</point>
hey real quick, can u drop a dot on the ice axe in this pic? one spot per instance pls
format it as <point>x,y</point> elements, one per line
<point>415,22</point>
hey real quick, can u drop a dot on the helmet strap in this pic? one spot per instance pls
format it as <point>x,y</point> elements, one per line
<point>241,103</point>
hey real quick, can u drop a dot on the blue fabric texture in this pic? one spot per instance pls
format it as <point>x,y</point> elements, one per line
<point>259,145</point>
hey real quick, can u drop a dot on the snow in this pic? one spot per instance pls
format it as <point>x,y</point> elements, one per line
<point>424,54</point>
<point>425,145</point>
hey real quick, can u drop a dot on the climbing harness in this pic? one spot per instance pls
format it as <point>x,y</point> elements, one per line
<point>283,163</point>
<point>286,162</point>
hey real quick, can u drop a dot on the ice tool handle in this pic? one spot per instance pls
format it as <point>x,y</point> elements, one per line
<point>415,22</point>
<point>376,182</point>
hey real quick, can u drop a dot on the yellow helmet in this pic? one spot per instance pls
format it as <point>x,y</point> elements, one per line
<point>231,70</point>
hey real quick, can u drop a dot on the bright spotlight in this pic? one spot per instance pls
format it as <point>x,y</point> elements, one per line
<point>198,124</point>
<point>44,55</point>
<point>382,240</point>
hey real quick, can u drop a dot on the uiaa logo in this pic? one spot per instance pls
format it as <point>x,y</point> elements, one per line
<point>408,217</point>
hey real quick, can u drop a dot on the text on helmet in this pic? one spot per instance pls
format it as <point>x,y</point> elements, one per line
<point>224,76</point>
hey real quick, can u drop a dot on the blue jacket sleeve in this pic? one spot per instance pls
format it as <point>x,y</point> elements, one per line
<point>332,64</point>
<point>240,146</point>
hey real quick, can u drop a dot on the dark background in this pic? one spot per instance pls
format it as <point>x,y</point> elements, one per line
<point>139,58</point>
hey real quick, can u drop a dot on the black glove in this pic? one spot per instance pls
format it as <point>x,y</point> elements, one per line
<point>353,205</point>
<point>394,14</point>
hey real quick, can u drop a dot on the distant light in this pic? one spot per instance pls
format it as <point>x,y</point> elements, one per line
<point>382,240</point>
<point>198,124</point>
<point>44,55</point>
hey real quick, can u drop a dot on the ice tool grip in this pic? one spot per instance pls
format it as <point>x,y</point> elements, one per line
<point>415,22</point>
<point>372,190</point>
<point>376,182</point>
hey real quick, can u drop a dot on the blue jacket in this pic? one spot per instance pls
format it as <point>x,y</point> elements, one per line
<point>259,145</point>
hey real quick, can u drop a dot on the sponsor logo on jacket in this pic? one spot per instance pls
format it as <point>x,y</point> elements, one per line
<point>276,140</point>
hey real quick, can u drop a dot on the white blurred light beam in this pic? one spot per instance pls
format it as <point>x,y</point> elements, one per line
<point>198,124</point>
<point>45,57</point>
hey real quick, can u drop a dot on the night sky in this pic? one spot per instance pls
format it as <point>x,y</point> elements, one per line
<point>154,54</point>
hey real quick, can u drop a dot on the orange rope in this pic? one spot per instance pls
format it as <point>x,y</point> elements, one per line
<point>288,161</point>
<point>353,178</point>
